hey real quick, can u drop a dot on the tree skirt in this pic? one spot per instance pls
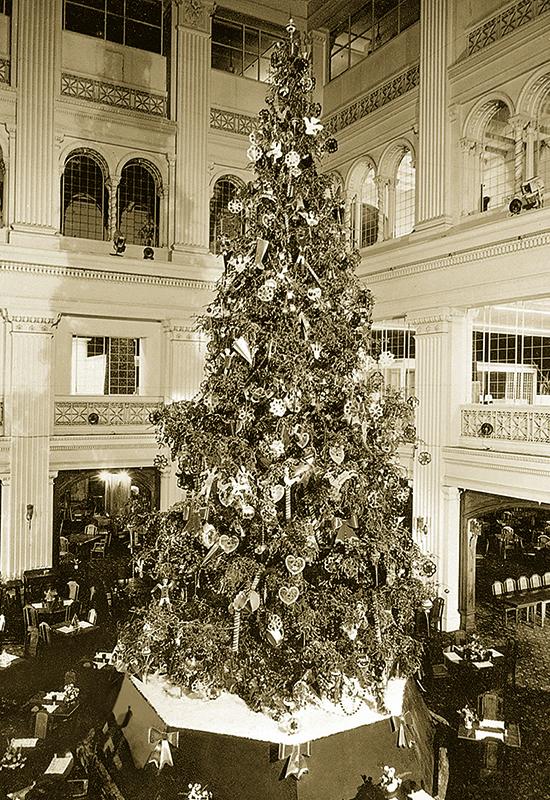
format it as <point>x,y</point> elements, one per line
<point>244,755</point>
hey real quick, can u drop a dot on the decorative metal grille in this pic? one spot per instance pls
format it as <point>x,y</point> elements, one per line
<point>84,197</point>
<point>405,180</point>
<point>139,204</point>
<point>134,23</point>
<point>504,23</point>
<point>113,94</point>
<point>4,70</point>
<point>233,123</point>
<point>109,412</point>
<point>513,425</point>
<point>374,100</point>
<point>222,221</point>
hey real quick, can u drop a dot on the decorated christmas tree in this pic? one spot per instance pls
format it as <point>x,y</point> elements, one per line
<point>285,574</point>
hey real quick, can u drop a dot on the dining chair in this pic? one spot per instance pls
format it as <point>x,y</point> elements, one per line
<point>92,616</point>
<point>499,602</point>
<point>74,590</point>
<point>90,530</point>
<point>535,581</point>
<point>30,617</point>
<point>509,586</point>
<point>45,633</point>
<point>436,613</point>
<point>491,758</point>
<point>546,579</point>
<point>101,546</point>
<point>63,546</point>
<point>490,705</point>
<point>522,583</point>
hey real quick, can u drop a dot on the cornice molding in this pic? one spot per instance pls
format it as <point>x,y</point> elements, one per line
<point>516,245</point>
<point>377,98</point>
<point>25,323</point>
<point>86,109</point>
<point>105,275</point>
<point>177,331</point>
<point>509,462</point>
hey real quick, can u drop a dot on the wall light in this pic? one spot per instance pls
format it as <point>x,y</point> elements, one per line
<point>30,511</point>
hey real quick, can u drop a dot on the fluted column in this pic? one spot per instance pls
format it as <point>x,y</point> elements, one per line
<point>443,369</point>
<point>433,157</point>
<point>27,541</point>
<point>184,361</point>
<point>191,69</point>
<point>6,540</point>
<point>38,75</point>
<point>319,61</point>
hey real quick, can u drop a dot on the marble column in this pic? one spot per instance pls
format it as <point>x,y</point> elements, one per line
<point>443,376</point>
<point>26,534</point>
<point>38,26</point>
<point>319,62</point>
<point>112,188</point>
<point>432,185</point>
<point>184,350</point>
<point>191,72</point>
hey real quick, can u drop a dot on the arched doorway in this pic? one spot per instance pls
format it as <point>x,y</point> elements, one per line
<point>482,516</point>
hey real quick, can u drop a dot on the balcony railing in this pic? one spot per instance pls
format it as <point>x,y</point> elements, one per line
<point>505,22</point>
<point>95,413</point>
<point>506,423</point>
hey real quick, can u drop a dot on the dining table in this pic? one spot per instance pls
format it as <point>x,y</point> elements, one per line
<point>530,598</point>
<point>506,732</point>
<point>456,657</point>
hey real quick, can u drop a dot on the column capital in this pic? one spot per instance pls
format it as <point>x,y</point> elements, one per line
<point>434,320</point>
<point>194,14</point>
<point>178,331</point>
<point>31,323</point>
<point>519,123</point>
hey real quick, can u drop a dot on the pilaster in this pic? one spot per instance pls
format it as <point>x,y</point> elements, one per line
<point>27,538</point>
<point>191,71</point>
<point>319,61</point>
<point>184,360</point>
<point>170,492</point>
<point>38,71</point>
<point>433,144</point>
<point>443,364</point>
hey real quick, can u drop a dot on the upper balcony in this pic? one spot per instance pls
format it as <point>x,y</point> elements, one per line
<point>93,415</point>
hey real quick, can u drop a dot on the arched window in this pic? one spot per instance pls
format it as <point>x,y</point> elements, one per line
<point>222,221</point>
<point>405,185</point>
<point>498,165</point>
<point>542,155</point>
<point>84,197</point>
<point>364,212</point>
<point>138,206</point>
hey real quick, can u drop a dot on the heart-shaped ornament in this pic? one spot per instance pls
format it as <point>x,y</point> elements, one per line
<point>337,453</point>
<point>295,564</point>
<point>228,543</point>
<point>288,594</point>
<point>277,492</point>
<point>302,439</point>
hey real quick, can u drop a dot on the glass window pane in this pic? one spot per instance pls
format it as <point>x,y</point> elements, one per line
<point>146,37</point>
<point>115,6</point>
<point>265,66</point>
<point>387,28</point>
<point>361,21</point>
<point>339,63</point>
<point>251,66</point>
<point>382,7</point>
<point>144,10</point>
<point>227,33</point>
<point>84,20</point>
<point>226,59</point>
<point>267,44</point>
<point>251,40</point>
<point>99,4</point>
<point>115,28</point>
<point>409,13</point>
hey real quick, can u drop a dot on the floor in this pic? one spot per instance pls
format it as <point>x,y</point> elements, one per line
<point>524,774</point>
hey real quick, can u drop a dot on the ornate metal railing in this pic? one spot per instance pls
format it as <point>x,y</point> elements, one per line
<point>97,412</point>
<point>113,94</point>
<point>4,70</point>
<point>505,22</point>
<point>510,424</point>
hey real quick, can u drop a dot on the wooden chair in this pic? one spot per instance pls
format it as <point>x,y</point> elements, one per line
<point>535,581</point>
<point>499,601</point>
<point>30,617</point>
<point>92,616</point>
<point>491,758</point>
<point>509,586</point>
<point>522,583</point>
<point>459,638</point>
<point>101,546</point>
<point>436,614</point>
<point>63,547</point>
<point>490,705</point>
<point>74,590</point>
<point>546,579</point>
<point>90,530</point>
<point>45,633</point>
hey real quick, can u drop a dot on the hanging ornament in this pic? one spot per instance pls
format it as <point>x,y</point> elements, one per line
<point>385,359</point>
<point>240,263</point>
<point>292,158</point>
<point>274,630</point>
<point>261,249</point>
<point>288,594</point>
<point>424,458</point>
<point>275,152</point>
<point>277,492</point>
<point>235,206</point>
<point>337,453</point>
<point>228,543</point>
<point>265,293</point>
<point>314,294</point>
<point>277,407</point>
<point>331,145</point>
<point>295,564</point>
<point>241,347</point>
<point>254,153</point>
<point>313,126</point>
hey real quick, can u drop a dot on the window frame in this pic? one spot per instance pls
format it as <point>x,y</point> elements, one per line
<point>104,208</point>
<point>246,24</point>
<point>108,376</point>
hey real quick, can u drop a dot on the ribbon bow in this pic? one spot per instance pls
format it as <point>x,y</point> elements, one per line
<point>162,740</point>
<point>345,528</point>
<point>399,724</point>
<point>295,755</point>
<point>301,471</point>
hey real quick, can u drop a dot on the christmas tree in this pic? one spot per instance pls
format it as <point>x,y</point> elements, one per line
<point>285,575</point>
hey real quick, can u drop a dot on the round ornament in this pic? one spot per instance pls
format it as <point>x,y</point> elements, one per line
<point>331,145</point>
<point>424,458</point>
<point>235,206</point>
<point>314,293</point>
<point>265,293</point>
<point>254,153</point>
<point>292,158</point>
<point>277,407</point>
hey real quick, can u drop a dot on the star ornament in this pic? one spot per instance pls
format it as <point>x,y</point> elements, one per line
<point>313,126</point>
